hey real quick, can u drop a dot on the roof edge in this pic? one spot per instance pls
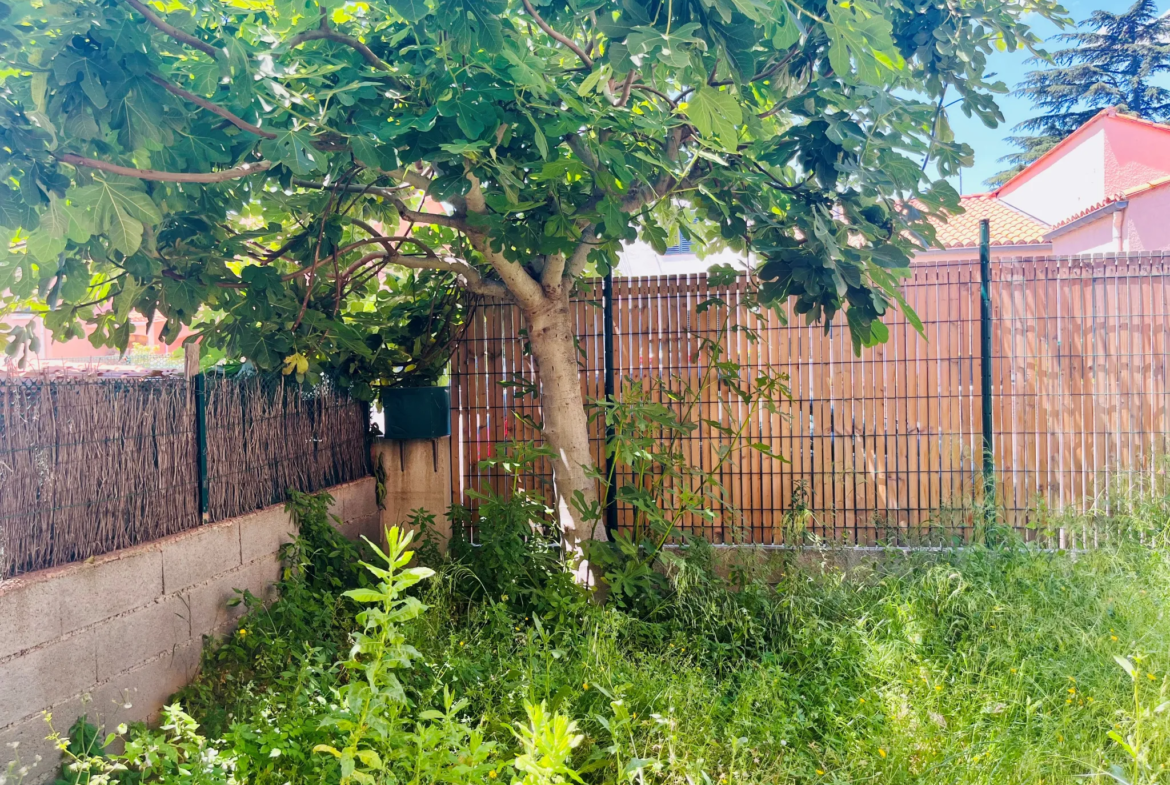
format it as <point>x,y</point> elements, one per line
<point>1107,112</point>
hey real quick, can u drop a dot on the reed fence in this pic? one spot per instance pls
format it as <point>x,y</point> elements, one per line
<point>88,466</point>
<point>885,447</point>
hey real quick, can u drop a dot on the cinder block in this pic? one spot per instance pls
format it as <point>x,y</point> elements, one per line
<point>139,694</point>
<point>111,584</point>
<point>208,601</point>
<point>193,556</point>
<point>262,533</point>
<point>30,736</point>
<point>42,677</point>
<point>418,474</point>
<point>360,499</point>
<point>127,641</point>
<point>30,613</point>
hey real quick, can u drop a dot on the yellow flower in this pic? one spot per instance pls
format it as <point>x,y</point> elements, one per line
<point>1068,700</point>
<point>861,700</point>
<point>938,687</point>
<point>1072,690</point>
<point>243,632</point>
<point>821,772</point>
<point>585,686</point>
<point>1150,676</point>
<point>881,752</point>
<point>1013,670</point>
<point>1113,637</point>
<point>492,774</point>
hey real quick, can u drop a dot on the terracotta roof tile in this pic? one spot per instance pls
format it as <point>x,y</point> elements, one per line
<point>1009,226</point>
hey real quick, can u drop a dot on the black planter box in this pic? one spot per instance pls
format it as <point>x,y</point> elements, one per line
<point>417,412</point>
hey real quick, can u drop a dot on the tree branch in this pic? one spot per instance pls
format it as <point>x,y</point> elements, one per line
<point>167,177</point>
<point>564,39</point>
<point>553,273</point>
<point>469,277</point>
<point>652,91</point>
<point>327,33</point>
<point>243,125</point>
<point>577,145</point>
<point>580,256</point>
<point>390,194</point>
<point>172,31</point>
<point>626,87</point>
<point>412,178</point>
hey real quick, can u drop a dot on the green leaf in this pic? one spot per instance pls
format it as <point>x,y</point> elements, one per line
<point>295,150</point>
<point>118,209</point>
<point>365,152</point>
<point>410,10</point>
<point>717,115</point>
<point>538,136</point>
<point>364,595</point>
<point>44,246</point>
<point>14,213</point>
<point>860,38</point>
<point>589,84</point>
<point>254,346</point>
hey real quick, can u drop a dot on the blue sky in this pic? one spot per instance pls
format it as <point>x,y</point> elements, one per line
<point>989,143</point>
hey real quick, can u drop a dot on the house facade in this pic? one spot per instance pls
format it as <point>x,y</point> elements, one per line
<point>1104,189</point>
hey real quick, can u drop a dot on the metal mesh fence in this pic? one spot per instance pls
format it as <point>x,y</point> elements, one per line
<point>884,447</point>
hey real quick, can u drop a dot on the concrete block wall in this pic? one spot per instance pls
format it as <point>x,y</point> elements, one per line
<point>418,475</point>
<point>114,637</point>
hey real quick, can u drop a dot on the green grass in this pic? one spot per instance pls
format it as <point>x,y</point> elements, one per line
<point>979,666</point>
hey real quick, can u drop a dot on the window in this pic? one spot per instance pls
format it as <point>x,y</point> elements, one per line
<point>683,246</point>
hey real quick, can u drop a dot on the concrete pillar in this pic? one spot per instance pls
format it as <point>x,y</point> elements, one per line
<point>416,474</point>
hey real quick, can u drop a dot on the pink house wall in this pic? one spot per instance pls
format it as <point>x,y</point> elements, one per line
<point>1135,154</point>
<point>1145,226</point>
<point>1147,221</point>
<point>1093,237</point>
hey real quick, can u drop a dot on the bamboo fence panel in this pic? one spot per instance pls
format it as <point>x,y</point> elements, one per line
<point>266,435</point>
<point>885,447</point>
<point>89,466</point>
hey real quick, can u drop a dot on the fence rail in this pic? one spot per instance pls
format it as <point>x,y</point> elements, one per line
<point>885,447</point>
<point>89,466</point>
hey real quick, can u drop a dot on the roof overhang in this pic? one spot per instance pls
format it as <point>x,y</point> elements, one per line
<point>967,250</point>
<point>1088,218</point>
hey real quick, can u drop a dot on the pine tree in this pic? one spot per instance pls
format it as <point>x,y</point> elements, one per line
<point>1111,60</point>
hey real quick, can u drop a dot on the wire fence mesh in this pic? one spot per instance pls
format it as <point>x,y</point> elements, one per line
<point>884,447</point>
<point>89,466</point>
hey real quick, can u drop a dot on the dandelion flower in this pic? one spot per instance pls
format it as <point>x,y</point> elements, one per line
<point>820,772</point>
<point>492,774</point>
<point>881,752</point>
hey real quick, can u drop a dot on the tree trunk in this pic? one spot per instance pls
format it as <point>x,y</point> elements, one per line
<point>566,429</point>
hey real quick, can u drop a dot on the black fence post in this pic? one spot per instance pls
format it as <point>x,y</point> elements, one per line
<point>985,368</point>
<point>611,523</point>
<point>201,445</point>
